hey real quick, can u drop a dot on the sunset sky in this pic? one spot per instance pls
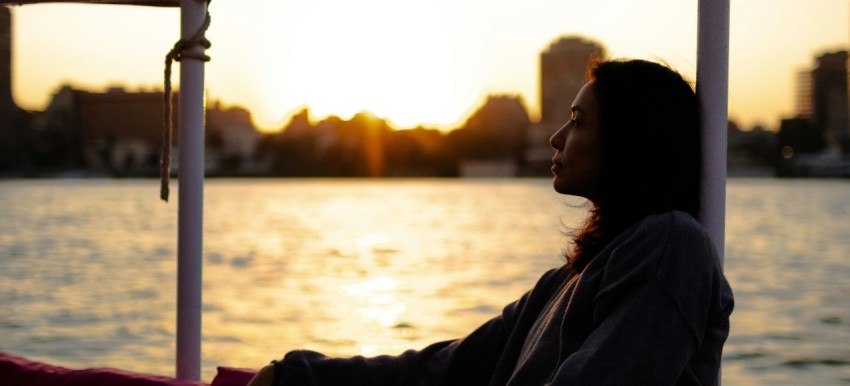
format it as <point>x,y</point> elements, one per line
<point>411,61</point>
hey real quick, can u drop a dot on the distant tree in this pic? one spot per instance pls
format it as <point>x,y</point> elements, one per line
<point>497,130</point>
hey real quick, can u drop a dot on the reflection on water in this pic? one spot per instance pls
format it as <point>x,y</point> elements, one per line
<point>379,266</point>
<point>789,264</point>
<point>369,267</point>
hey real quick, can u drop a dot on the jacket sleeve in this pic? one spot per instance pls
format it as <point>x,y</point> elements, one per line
<point>467,361</point>
<point>651,311</point>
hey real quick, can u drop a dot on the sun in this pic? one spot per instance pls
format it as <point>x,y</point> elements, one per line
<point>395,59</point>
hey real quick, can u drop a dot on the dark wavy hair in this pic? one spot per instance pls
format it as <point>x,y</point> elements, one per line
<point>649,123</point>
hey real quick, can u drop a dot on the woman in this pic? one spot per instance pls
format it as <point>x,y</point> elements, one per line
<point>641,299</point>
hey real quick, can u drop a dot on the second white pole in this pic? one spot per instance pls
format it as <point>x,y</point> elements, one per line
<point>712,92</point>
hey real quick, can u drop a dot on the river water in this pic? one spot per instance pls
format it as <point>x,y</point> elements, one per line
<point>87,269</point>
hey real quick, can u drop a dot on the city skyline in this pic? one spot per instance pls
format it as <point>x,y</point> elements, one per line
<point>452,53</point>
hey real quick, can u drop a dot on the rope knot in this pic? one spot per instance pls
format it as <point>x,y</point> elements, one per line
<point>182,47</point>
<point>180,51</point>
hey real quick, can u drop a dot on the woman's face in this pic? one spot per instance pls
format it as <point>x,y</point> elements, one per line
<point>578,154</point>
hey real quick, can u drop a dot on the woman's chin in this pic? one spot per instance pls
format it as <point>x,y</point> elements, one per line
<point>560,185</point>
<point>563,187</point>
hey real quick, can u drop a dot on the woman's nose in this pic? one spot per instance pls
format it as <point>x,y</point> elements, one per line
<point>556,140</point>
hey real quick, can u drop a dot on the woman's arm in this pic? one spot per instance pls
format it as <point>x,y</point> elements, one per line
<point>438,364</point>
<point>469,361</point>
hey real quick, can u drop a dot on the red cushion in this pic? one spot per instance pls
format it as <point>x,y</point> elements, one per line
<point>23,372</point>
<point>229,376</point>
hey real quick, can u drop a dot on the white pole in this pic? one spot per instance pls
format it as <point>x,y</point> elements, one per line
<point>712,92</point>
<point>191,198</point>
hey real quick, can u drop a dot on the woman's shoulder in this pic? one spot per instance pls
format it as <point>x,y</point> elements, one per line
<point>672,249</point>
<point>688,243</point>
<point>658,244</point>
<point>673,229</point>
<point>674,222</point>
<point>688,262</point>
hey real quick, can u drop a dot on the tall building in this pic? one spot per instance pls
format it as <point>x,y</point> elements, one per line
<point>14,149</point>
<point>563,69</point>
<point>805,109</point>
<point>7,104</point>
<point>829,96</point>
